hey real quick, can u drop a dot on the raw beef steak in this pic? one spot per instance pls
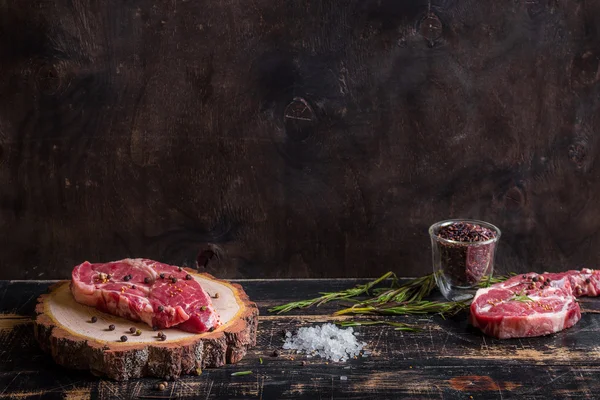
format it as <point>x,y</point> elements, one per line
<point>533,304</point>
<point>145,290</point>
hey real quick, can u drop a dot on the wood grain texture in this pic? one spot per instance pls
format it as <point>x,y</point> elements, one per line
<point>62,329</point>
<point>446,360</point>
<point>280,139</point>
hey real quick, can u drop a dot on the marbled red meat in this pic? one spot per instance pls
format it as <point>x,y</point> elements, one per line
<point>134,289</point>
<point>533,304</point>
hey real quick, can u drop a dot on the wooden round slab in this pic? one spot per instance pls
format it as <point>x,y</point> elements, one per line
<point>64,329</point>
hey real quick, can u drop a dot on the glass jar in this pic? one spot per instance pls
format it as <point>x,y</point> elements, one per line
<point>460,266</point>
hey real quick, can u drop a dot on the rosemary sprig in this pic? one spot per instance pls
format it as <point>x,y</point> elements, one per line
<point>408,308</point>
<point>397,299</point>
<point>520,297</point>
<point>490,280</point>
<point>399,326</point>
<point>413,290</point>
<point>326,297</point>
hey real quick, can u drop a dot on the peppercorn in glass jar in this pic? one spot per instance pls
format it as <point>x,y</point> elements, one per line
<point>463,255</point>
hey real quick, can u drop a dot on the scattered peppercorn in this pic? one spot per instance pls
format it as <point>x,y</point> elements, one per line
<point>155,328</point>
<point>108,276</point>
<point>132,330</point>
<point>275,353</point>
<point>211,329</point>
<point>173,279</point>
<point>162,276</point>
<point>133,287</point>
<point>524,276</point>
<point>188,277</point>
<point>123,338</point>
<point>217,295</point>
<point>161,308</point>
<point>111,327</point>
<point>138,332</point>
<point>146,280</point>
<point>180,269</point>
<point>163,338</point>
<point>587,280</point>
<point>127,278</point>
<point>94,319</point>
<point>547,280</point>
<point>160,334</point>
<point>161,386</point>
<point>534,279</point>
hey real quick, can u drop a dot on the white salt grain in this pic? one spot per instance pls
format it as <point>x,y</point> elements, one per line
<point>327,341</point>
<point>343,378</point>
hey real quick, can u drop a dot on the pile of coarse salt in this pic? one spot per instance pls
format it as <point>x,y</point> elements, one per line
<point>327,341</point>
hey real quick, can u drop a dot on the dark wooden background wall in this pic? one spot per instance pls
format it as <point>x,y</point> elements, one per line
<point>296,138</point>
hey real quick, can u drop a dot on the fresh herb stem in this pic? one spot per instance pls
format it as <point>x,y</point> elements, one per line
<point>490,280</point>
<point>413,290</point>
<point>398,326</point>
<point>330,296</point>
<point>408,308</point>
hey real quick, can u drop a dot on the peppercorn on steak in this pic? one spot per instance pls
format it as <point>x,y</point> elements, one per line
<point>160,295</point>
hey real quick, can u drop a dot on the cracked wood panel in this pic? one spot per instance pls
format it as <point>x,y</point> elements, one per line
<point>447,359</point>
<point>279,139</point>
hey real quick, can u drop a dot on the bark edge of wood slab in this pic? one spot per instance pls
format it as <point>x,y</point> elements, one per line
<point>185,353</point>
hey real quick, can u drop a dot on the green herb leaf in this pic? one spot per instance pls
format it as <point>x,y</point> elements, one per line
<point>241,373</point>
<point>489,280</point>
<point>260,359</point>
<point>520,297</point>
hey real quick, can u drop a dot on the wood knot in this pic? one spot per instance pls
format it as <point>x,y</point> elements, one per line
<point>430,27</point>
<point>49,78</point>
<point>514,198</point>
<point>299,119</point>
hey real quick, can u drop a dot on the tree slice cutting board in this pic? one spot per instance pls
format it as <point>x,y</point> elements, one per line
<point>64,329</point>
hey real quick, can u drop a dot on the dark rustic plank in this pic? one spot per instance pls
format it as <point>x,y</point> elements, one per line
<point>447,360</point>
<point>294,139</point>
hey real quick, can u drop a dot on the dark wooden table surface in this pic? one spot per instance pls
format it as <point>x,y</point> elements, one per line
<point>446,360</point>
